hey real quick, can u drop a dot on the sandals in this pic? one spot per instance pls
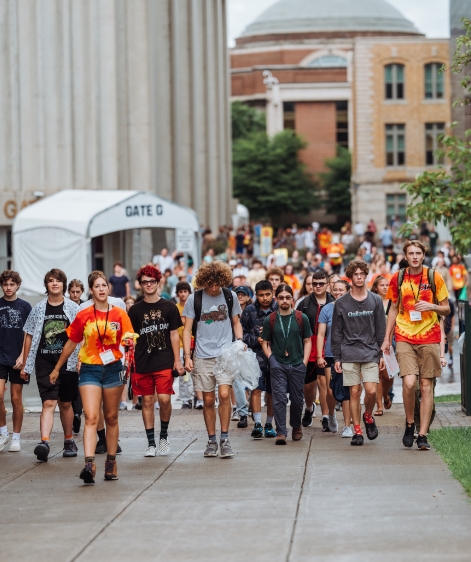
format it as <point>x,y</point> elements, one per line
<point>378,413</point>
<point>388,404</point>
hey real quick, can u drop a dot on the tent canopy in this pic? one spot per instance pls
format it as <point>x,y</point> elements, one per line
<point>57,231</point>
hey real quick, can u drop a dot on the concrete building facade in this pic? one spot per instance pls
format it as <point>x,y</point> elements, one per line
<point>114,94</point>
<point>341,73</point>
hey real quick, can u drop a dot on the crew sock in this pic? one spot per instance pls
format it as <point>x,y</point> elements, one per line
<point>16,436</point>
<point>325,417</point>
<point>269,419</point>
<point>89,459</point>
<point>212,439</point>
<point>110,457</point>
<point>45,439</point>
<point>311,408</point>
<point>101,434</point>
<point>4,430</point>
<point>257,417</point>
<point>151,437</point>
<point>164,429</point>
<point>224,435</point>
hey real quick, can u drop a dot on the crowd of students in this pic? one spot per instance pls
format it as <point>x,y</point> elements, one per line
<point>329,338</point>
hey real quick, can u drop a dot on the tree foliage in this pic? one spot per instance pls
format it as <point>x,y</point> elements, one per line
<point>439,195</point>
<point>336,184</point>
<point>268,176</point>
<point>246,120</point>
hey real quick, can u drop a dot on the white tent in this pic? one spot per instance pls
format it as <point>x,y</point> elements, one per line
<point>57,231</point>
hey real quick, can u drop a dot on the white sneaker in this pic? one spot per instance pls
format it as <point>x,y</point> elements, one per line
<point>164,447</point>
<point>123,406</point>
<point>235,415</point>
<point>314,410</point>
<point>347,431</point>
<point>333,425</point>
<point>150,451</point>
<point>3,441</point>
<point>15,446</point>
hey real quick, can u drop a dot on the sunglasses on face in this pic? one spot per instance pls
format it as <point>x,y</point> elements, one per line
<point>285,298</point>
<point>321,284</point>
<point>151,282</point>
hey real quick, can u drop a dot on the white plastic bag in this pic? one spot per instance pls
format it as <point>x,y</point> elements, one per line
<point>239,364</point>
<point>461,343</point>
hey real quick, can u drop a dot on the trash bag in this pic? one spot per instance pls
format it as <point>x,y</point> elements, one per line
<point>239,364</point>
<point>461,343</point>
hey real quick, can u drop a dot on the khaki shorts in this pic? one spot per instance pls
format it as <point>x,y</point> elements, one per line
<point>353,373</point>
<point>422,360</point>
<point>204,378</point>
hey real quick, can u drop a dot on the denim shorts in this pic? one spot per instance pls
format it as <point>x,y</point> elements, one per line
<point>105,376</point>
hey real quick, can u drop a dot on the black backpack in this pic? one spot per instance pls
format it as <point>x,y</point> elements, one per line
<point>198,305</point>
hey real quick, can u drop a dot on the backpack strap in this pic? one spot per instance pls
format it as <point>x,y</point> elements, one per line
<point>388,307</point>
<point>198,305</point>
<point>431,282</point>
<point>299,319</point>
<point>400,280</point>
<point>230,303</point>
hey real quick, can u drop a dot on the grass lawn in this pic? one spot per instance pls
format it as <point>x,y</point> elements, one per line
<point>448,398</point>
<point>453,444</point>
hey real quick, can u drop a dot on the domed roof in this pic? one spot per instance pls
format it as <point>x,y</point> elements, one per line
<point>293,16</point>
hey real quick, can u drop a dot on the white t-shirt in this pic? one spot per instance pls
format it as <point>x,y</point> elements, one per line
<point>164,262</point>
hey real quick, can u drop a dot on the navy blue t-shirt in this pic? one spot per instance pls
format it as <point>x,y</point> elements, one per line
<point>119,285</point>
<point>13,315</point>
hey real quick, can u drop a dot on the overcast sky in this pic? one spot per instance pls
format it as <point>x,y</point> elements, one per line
<point>429,16</point>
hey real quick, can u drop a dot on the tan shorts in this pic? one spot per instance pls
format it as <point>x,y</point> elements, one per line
<point>204,378</point>
<point>422,360</point>
<point>354,373</point>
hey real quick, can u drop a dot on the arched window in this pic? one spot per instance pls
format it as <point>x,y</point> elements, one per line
<point>434,81</point>
<point>329,61</point>
<point>394,81</point>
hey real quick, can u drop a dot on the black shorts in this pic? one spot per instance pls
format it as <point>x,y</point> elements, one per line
<point>65,389</point>
<point>266,376</point>
<point>330,362</point>
<point>8,373</point>
<point>312,372</point>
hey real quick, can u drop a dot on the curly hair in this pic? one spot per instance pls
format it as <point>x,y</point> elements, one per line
<point>216,272</point>
<point>275,271</point>
<point>149,271</point>
<point>354,265</point>
<point>10,274</point>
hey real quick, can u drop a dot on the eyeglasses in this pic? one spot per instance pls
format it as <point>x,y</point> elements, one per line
<point>150,282</point>
<point>321,284</point>
<point>288,298</point>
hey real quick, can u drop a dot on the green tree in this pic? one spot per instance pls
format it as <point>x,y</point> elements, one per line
<point>439,195</point>
<point>336,185</point>
<point>246,120</point>
<point>268,176</point>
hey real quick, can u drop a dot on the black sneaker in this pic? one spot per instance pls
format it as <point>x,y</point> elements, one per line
<point>371,428</point>
<point>42,451</point>
<point>88,473</point>
<point>119,450</point>
<point>307,418</point>
<point>77,423</point>
<point>242,424</point>
<point>139,403</point>
<point>357,439</point>
<point>257,432</point>
<point>100,447</point>
<point>408,439</point>
<point>70,448</point>
<point>422,443</point>
<point>186,406</point>
<point>325,425</point>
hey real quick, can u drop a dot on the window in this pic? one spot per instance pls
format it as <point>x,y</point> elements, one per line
<point>394,81</point>
<point>432,132</point>
<point>342,123</point>
<point>396,206</point>
<point>434,81</point>
<point>395,145</point>
<point>329,61</point>
<point>288,115</point>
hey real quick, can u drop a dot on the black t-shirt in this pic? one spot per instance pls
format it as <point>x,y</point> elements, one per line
<point>154,321</point>
<point>53,338</point>
<point>119,285</point>
<point>13,315</point>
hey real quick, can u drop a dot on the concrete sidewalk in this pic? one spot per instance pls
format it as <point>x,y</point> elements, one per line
<point>318,499</point>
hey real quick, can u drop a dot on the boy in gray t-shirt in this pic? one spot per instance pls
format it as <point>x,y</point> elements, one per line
<point>219,319</point>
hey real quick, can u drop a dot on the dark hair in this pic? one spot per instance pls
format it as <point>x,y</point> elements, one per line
<point>117,263</point>
<point>403,263</point>
<point>283,287</point>
<point>149,271</point>
<point>94,275</point>
<point>58,275</point>
<point>320,274</point>
<point>182,286</point>
<point>263,285</point>
<point>76,283</point>
<point>347,285</point>
<point>376,282</point>
<point>10,274</point>
<point>354,265</point>
<point>303,291</point>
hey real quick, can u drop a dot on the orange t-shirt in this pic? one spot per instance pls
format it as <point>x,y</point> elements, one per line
<point>416,287</point>
<point>293,282</point>
<point>324,240</point>
<point>84,327</point>
<point>335,252</point>
<point>458,275</point>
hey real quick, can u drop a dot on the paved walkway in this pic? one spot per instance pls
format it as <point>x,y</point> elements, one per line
<point>318,499</point>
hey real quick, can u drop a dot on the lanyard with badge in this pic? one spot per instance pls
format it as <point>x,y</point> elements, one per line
<point>415,315</point>
<point>287,332</point>
<point>106,356</point>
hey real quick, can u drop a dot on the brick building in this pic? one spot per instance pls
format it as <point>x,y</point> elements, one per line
<point>354,73</point>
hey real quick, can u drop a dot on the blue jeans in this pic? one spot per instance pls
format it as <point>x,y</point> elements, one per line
<point>241,402</point>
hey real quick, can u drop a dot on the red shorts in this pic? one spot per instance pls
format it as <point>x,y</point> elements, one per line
<point>148,384</point>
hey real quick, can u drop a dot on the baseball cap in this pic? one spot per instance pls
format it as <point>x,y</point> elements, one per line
<point>243,289</point>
